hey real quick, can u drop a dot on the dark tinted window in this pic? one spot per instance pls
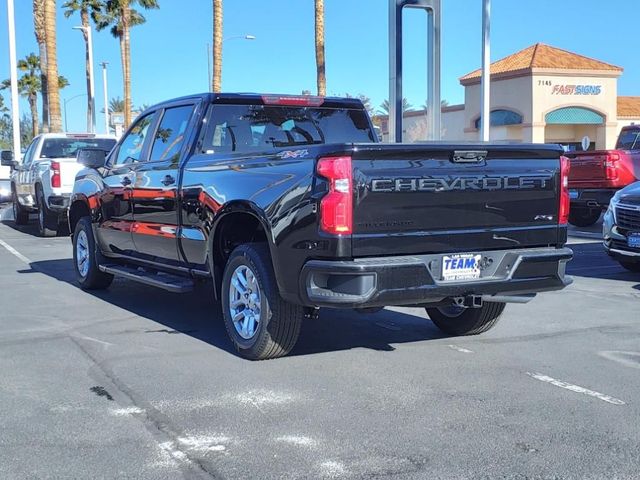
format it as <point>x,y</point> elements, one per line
<point>629,140</point>
<point>169,137</point>
<point>255,128</point>
<point>131,146</point>
<point>68,147</point>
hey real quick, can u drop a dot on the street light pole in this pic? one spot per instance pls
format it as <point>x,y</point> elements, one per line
<point>66,129</point>
<point>91,115</point>
<point>106,96</point>
<point>234,37</point>
<point>13,66</point>
<point>485,82</point>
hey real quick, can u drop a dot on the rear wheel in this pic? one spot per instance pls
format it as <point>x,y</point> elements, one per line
<point>631,266</point>
<point>86,258</point>
<point>458,321</point>
<point>47,220</point>
<point>20,215</point>
<point>583,217</point>
<point>259,322</point>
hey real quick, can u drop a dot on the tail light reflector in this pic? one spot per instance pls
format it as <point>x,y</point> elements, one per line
<point>336,207</point>
<point>565,200</point>
<point>55,175</point>
<point>611,166</point>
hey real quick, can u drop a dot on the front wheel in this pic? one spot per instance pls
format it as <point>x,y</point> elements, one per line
<point>458,321</point>
<point>259,322</point>
<point>85,258</point>
<point>631,266</point>
<point>583,217</point>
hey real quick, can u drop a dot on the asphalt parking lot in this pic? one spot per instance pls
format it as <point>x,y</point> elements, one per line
<point>138,383</point>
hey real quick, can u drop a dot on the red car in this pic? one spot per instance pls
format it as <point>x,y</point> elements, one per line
<point>596,176</point>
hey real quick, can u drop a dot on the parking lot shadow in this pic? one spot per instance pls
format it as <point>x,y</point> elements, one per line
<point>198,315</point>
<point>31,228</point>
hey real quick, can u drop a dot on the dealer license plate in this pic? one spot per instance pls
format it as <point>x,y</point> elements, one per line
<point>633,240</point>
<point>461,267</point>
<point>574,194</point>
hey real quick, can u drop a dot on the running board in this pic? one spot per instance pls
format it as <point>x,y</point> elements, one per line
<point>165,281</point>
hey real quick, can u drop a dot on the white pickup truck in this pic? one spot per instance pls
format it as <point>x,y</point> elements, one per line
<point>44,180</point>
<point>5,177</point>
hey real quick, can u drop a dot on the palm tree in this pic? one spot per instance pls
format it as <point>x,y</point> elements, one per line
<point>29,85</point>
<point>406,107</point>
<point>217,46</point>
<point>38,27</point>
<point>121,17</point>
<point>320,60</point>
<point>116,104</point>
<point>85,7</point>
<point>55,115</point>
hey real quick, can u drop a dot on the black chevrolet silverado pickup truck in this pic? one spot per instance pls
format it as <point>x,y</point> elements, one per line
<point>289,204</point>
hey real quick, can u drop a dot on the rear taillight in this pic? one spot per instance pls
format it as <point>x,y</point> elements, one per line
<point>55,175</point>
<point>611,166</point>
<point>336,207</point>
<point>565,200</point>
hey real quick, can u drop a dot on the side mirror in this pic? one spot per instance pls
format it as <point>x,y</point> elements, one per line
<point>91,157</point>
<point>7,159</point>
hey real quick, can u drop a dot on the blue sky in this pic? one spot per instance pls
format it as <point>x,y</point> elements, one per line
<point>169,53</point>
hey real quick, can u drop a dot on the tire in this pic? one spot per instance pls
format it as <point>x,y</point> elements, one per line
<point>88,274</point>
<point>631,266</point>
<point>47,220</point>
<point>20,215</point>
<point>459,321</point>
<point>278,322</point>
<point>583,217</point>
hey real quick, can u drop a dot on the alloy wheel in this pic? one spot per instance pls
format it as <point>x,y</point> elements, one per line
<point>245,302</point>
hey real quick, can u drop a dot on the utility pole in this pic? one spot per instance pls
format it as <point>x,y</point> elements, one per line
<point>485,82</point>
<point>13,66</point>
<point>106,96</point>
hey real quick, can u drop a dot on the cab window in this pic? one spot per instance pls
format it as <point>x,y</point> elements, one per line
<point>131,146</point>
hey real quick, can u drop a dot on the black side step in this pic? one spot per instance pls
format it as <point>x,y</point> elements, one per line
<point>165,281</point>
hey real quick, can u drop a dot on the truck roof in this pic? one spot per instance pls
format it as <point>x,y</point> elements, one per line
<point>76,135</point>
<point>267,99</point>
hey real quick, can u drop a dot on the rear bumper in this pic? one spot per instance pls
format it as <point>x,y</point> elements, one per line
<point>59,203</point>
<point>591,197</point>
<point>415,279</point>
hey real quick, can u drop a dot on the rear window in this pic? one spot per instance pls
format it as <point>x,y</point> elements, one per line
<point>629,140</point>
<point>259,128</point>
<point>68,147</point>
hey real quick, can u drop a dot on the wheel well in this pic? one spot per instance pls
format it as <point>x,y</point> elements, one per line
<point>233,230</point>
<point>77,210</point>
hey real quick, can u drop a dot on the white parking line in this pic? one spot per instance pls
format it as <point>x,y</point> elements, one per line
<point>576,388</point>
<point>14,252</point>
<point>459,349</point>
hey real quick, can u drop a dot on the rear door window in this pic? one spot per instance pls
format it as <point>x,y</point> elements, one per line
<point>264,128</point>
<point>170,135</point>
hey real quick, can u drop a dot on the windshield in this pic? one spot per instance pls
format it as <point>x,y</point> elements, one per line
<point>629,140</point>
<point>68,147</point>
<point>247,128</point>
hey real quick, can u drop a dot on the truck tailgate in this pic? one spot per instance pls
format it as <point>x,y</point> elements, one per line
<point>588,169</point>
<point>413,199</point>
<point>69,168</point>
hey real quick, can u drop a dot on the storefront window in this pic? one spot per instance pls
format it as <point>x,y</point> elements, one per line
<point>500,118</point>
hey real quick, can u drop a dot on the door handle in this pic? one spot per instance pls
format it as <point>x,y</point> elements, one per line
<point>126,181</point>
<point>168,180</point>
